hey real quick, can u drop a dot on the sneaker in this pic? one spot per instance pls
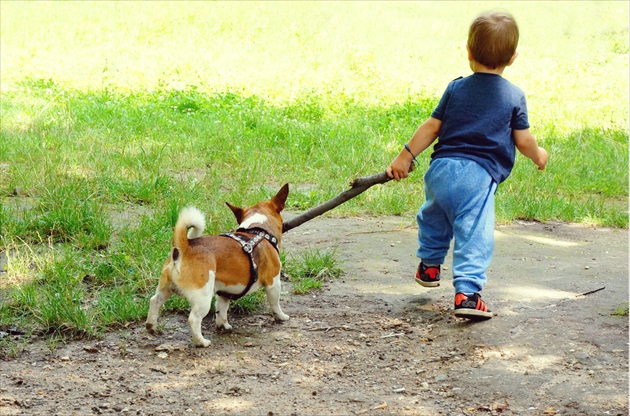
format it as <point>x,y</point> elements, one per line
<point>428,276</point>
<point>471,307</point>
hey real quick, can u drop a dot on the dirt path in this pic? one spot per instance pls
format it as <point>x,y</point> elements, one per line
<point>372,342</point>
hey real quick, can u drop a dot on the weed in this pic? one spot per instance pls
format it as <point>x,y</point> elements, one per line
<point>12,346</point>
<point>53,342</point>
<point>621,311</point>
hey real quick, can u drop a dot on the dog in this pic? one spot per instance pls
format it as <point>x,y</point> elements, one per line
<point>229,265</point>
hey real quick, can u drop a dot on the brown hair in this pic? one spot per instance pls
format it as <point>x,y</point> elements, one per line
<point>493,38</point>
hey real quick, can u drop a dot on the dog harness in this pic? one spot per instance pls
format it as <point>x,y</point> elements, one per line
<point>248,244</point>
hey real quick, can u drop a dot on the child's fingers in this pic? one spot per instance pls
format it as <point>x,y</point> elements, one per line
<point>390,172</point>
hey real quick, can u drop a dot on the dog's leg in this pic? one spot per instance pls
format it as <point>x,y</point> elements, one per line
<point>200,302</point>
<point>273,297</point>
<point>223,304</point>
<point>162,294</point>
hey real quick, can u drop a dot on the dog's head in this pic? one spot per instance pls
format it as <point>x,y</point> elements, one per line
<point>265,214</point>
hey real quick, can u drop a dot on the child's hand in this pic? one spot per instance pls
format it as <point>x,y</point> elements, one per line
<point>541,160</point>
<point>399,169</point>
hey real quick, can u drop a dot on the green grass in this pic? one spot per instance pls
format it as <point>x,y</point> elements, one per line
<point>308,270</point>
<point>115,115</point>
<point>621,311</point>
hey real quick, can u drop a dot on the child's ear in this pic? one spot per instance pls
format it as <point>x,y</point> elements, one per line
<point>513,58</point>
<point>470,57</point>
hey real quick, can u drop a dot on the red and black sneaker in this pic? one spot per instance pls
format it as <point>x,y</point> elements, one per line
<point>471,307</point>
<point>428,276</point>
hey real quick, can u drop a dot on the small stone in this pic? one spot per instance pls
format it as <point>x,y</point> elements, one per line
<point>65,358</point>
<point>164,347</point>
<point>491,354</point>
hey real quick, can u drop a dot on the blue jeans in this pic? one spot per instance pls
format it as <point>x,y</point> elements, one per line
<point>460,205</point>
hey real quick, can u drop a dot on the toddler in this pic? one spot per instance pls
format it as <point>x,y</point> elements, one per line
<point>478,123</point>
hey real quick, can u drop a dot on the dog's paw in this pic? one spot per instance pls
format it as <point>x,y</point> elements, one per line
<point>202,343</point>
<point>281,317</point>
<point>151,329</point>
<point>224,327</point>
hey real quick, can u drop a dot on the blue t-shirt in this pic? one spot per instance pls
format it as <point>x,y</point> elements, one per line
<point>478,114</point>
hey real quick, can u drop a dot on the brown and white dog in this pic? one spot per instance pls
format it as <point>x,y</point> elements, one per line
<point>200,266</point>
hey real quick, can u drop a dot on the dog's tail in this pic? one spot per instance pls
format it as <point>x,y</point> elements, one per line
<point>189,218</point>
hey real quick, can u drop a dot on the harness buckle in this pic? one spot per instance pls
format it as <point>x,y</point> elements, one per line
<point>248,247</point>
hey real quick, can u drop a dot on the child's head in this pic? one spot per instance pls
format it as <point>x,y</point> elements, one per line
<point>492,39</point>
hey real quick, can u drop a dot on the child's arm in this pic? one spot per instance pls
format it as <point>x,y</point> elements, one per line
<point>421,139</point>
<point>527,145</point>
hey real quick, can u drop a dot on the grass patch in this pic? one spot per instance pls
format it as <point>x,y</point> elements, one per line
<point>310,269</point>
<point>102,145</point>
<point>621,311</point>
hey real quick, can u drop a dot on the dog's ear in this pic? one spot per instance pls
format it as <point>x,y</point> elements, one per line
<point>281,197</point>
<point>238,212</point>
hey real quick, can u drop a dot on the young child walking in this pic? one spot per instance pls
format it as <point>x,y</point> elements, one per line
<point>479,121</point>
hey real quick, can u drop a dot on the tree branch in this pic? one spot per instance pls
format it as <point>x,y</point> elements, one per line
<point>358,186</point>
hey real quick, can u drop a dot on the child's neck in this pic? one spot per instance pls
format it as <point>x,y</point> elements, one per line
<point>477,67</point>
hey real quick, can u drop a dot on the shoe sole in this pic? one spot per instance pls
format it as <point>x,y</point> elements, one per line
<point>473,314</point>
<point>427,284</point>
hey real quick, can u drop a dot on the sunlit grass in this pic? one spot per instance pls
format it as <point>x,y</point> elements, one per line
<point>573,55</point>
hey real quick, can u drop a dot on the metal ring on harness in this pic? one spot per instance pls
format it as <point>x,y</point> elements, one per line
<point>248,248</point>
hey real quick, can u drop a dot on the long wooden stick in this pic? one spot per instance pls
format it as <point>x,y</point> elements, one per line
<point>358,186</point>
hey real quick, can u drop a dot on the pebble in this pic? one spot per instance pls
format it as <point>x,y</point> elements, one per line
<point>491,354</point>
<point>164,347</point>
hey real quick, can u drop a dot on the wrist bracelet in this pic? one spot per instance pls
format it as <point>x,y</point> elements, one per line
<point>413,158</point>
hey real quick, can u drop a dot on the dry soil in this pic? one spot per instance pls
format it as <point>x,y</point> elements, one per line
<point>373,341</point>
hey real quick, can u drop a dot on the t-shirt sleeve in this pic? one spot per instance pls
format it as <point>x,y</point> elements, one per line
<point>520,120</point>
<point>441,107</point>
